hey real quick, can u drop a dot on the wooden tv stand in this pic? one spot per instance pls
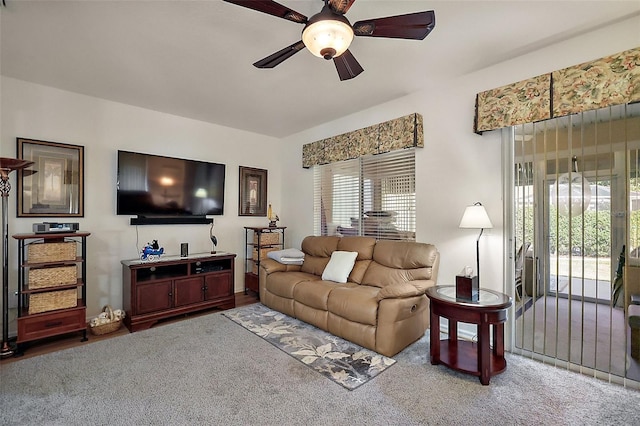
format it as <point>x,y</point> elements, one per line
<point>174,285</point>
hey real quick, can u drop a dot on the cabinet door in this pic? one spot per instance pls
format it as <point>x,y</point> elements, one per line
<point>189,291</point>
<point>218,285</point>
<point>153,297</point>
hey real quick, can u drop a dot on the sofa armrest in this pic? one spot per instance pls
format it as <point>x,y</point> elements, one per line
<point>408,289</point>
<point>270,266</point>
<point>423,285</point>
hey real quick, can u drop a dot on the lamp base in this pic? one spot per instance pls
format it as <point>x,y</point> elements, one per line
<point>6,351</point>
<point>467,288</point>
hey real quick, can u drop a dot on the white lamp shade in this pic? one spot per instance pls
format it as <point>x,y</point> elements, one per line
<point>475,217</point>
<point>327,37</point>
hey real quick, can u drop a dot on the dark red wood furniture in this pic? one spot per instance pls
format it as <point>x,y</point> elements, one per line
<point>263,240</point>
<point>174,285</point>
<point>52,320</point>
<point>469,357</point>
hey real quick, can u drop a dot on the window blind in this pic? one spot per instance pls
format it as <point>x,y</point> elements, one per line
<point>371,196</point>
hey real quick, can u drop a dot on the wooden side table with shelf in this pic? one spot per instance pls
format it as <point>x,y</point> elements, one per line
<point>481,359</point>
<point>52,290</point>
<point>259,241</point>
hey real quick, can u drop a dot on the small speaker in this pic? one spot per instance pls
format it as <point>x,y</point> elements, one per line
<point>40,227</point>
<point>184,249</point>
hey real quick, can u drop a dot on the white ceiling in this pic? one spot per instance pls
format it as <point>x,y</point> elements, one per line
<point>193,58</point>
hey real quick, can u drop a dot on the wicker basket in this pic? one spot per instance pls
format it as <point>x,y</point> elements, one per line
<point>267,238</point>
<point>52,277</point>
<point>51,252</point>
<point>52,300</point>
<point>263,252</point>
<point>110,327</point>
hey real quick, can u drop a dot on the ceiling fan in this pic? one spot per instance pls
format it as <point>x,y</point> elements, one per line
<point>328,33</point>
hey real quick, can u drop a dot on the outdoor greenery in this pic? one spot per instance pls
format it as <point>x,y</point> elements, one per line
<point>596,225</point>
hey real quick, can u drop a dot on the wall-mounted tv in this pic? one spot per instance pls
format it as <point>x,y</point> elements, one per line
<point>164,187</point>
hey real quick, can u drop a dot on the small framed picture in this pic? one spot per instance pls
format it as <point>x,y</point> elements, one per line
<point>54,185</point>
<point>253,192</point>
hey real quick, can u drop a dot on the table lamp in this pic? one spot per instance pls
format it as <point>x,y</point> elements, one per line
<point>474,217</point>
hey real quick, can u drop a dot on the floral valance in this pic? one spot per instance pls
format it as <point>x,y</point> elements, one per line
<point>613,80</point>
<point>400,133</point>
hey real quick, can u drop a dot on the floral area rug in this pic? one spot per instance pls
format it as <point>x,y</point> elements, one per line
<point>343,362</point>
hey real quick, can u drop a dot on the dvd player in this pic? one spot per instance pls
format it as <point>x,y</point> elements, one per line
<point>48,227</point>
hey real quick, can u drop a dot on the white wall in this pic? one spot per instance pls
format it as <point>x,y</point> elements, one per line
<point>456,167</point>
<point>102,127</point>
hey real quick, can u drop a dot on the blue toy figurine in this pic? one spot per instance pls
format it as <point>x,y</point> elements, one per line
<point>151,252</point>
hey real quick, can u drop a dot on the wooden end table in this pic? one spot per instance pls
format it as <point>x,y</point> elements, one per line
<point>462,355</point>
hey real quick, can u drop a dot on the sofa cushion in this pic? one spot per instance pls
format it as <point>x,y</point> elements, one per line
<point>397,262</point>
<point>360,334</point>
<point>405,255</point>
<point>339,266</point>
<point>355,303</point>
<point>317,253</point>
<point>378,275</point>
<point>314,293</point>
<point>314,265</point>
<point>313,316</point>
<point>358,271</point>
<point>283,283</point>
<point>364,246</point>
<point>320,246</point>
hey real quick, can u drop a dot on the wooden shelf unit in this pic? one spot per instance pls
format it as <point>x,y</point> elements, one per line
<point>156,290</point>
<point>52,321</point>
<point>258,242</point>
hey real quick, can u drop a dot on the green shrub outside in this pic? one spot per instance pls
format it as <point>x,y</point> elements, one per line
<point>593,241</point>
<point>596,225</point>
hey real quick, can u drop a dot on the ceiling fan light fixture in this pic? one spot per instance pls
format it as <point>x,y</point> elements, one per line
<point>327,36</point>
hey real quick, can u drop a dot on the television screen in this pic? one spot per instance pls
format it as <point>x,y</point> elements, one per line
<point>153,185</point>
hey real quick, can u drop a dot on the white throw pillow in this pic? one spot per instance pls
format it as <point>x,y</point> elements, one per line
<point>339,266</point>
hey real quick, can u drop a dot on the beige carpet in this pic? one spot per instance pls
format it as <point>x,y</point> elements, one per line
<point>209,371</point>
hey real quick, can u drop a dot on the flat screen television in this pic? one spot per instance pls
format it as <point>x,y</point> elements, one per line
<point>156,186</point>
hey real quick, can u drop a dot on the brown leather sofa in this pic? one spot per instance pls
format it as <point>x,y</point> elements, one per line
<point>383,305</point>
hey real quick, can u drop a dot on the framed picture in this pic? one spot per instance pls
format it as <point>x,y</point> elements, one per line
<point>54,185</point>
<point>253,192</point>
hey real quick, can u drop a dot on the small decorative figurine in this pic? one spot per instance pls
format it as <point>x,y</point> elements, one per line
<point>214,240</point>
<point>273,218</point>
<point>151,252</point>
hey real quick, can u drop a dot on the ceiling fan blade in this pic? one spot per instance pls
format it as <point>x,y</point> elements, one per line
<point>271,8</point>
<point>280,56</point>
<point>340,6</point>
<point>415,26</point>
<point>347,66</point>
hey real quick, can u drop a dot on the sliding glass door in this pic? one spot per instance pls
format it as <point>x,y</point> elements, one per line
<point>574,214</point>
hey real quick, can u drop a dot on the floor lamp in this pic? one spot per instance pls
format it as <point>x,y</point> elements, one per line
<point>7,165</point>
<point>476,217</point>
